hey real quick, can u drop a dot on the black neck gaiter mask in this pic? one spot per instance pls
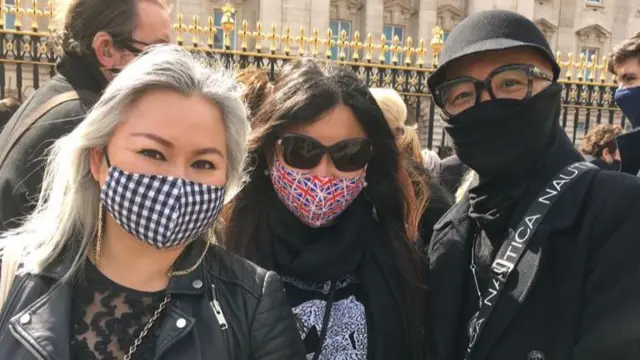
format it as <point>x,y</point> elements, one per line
<point>504,138</point>
<point>514,146</point>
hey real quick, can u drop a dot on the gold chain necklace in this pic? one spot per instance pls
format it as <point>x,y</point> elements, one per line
<point>167,297</point>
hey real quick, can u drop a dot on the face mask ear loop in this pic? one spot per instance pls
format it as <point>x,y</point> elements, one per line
<point>106,157</point>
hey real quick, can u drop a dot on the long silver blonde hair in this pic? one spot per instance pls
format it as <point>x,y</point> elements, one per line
<point>66,216</point>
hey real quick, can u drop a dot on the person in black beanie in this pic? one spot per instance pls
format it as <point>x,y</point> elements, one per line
<point>540,259</point>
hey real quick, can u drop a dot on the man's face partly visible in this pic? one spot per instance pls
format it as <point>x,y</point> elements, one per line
<point>629,73</point>
<point>152,26</point>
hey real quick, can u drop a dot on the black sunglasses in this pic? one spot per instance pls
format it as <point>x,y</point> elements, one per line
<point>304,152</point>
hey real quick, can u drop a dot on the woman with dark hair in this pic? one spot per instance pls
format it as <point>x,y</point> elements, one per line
<point>330,207</point>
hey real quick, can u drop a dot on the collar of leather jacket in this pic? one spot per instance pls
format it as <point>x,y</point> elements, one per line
<point>183,284</point>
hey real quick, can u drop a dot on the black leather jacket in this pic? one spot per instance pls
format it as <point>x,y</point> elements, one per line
<point>35,321</point>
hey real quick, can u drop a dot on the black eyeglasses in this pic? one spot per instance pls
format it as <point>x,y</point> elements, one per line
<point>506,82</point>
<point>128,44</point>
<point>304,152</point>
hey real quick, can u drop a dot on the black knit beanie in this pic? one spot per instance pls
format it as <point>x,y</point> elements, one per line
<point>487,31</point>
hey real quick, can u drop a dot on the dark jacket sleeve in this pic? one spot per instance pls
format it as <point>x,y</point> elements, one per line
<point>610,317</point>
<point>274,335</point>
<point>452,172</point>
<point>22,173</point>
<point>440,201</point>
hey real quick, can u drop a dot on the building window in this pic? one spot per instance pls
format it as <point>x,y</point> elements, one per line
<point>594,2</point>
<point>445,36</point>
<point>391,31</point>
<point>218,40</point>
<point>9,19</point>
<point>336,29</point>
<point>588,53</point>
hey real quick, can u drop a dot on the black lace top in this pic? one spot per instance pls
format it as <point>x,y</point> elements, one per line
<point>107,318</point>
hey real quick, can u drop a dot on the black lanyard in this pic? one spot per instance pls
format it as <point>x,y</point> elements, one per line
<point>514,247</point>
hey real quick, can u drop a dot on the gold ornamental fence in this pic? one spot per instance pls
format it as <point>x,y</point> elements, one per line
<point>29,51</point>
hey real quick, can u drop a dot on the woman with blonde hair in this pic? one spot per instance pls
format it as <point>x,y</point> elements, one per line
<point>432,200</point>
<point>118,260</point>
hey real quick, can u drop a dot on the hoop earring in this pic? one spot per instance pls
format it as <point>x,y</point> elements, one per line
<point>96,253</point>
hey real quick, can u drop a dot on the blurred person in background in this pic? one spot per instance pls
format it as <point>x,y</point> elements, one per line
<point>257,87</point>
<point>600,148</point>
<point>98,39</point>
<point>431,162</point>
<point>433,201</point>
<point>624,63</point>
<point>8,107</point>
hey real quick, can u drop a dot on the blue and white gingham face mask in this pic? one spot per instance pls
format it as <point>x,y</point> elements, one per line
<point>163,211</point>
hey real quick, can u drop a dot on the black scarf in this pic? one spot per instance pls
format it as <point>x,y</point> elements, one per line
<point>355,243</point>
<point>497,204</point>
<point>82,72</point>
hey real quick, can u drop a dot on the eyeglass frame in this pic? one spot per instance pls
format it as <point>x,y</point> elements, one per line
<point>531,70</point>
<point>128,45</point>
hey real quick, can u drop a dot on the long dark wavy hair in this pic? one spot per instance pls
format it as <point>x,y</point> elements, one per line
<point>303,90</point>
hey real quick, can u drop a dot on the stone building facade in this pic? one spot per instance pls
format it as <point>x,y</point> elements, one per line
<point>589,27</point>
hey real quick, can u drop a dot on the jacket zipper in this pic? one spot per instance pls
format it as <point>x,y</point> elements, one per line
<point>25,343</point>
<point>217,310</point>
<point>8,303</point>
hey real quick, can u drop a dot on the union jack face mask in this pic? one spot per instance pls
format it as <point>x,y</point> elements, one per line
<point>315,200</point>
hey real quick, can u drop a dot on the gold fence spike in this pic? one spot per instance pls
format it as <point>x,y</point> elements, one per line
<point>228,24</point>
<point>581,66</point>
<point>329,43</point>
<point>421,52</point>
<point>604,68</point>
<point>408,52</point>
<point>259,35</point>
<point>34,13</point>
<point>315,42</point>
<point>559,60</point>
<point>51,14</point>
<point>286,40</point>
<point>369,46</point>
<point>211,32</point>
<point>396,48</point>
<point>195,29</point>
<point>302,42</point>
<point>342,44</point>
<point>180,28</point>
<point>18,11</point>
<point>244,35</point>
<point>382,48</point>
<point>436,45</point>
<point>273,39</point>
<point>569,65</point>
<point>3,11</point>
<point>592,67</point>
<point>356,46</point>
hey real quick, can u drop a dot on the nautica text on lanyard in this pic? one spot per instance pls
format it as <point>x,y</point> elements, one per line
<point>512,250</point>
